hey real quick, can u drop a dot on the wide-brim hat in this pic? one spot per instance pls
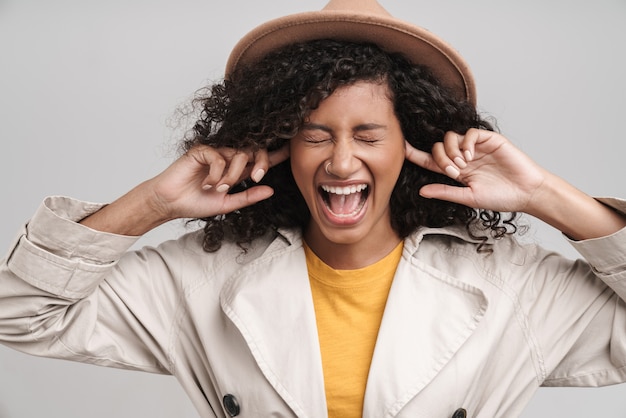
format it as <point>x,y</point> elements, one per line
<point>360,21</point>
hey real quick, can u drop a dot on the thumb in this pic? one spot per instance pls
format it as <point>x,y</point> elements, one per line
<point>454,194</point>
<point>249,197</point>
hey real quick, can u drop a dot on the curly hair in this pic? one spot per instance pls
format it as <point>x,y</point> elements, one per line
<point>264,105</point>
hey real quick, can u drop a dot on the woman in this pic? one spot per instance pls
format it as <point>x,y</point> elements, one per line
<point>355,278</point>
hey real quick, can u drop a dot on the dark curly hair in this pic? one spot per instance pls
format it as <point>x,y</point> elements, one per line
<point>264,105</point>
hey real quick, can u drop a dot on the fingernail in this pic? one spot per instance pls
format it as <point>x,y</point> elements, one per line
<point>222,188</point>
<point>258,175</point>
<point>468,155</point>
<point>459,162</point>
<point>452,172</point>
<point>206,187</point>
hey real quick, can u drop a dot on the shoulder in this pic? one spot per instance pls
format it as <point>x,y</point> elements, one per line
<point>186,256</point>
<point>504,259</point>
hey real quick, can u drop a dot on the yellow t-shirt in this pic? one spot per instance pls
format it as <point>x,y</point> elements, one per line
<point>349,307</point>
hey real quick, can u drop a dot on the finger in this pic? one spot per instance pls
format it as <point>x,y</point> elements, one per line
<point>451,144</point>
<point>481,141</point>
<point>213,162</point>
<point>420,158</point>
<point>278,156</point>
<point>444,162</point>
<point>468,142</point>
<point>265,159</point>
<point>235,172</point>
<point>248,197</point>
<point>261,165</point>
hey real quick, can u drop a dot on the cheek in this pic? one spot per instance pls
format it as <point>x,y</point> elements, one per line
<point>389,164</point>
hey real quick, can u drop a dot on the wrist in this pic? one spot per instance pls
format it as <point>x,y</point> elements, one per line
<point>133,214</point>
<point>573,212</point>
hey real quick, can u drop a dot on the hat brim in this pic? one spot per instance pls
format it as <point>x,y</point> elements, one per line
<point>419,45</point>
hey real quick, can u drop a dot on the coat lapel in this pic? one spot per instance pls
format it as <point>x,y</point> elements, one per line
<point>270,302</point>
<point>428,317</point>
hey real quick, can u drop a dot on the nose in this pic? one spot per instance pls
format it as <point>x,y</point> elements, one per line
<point>343,161</point>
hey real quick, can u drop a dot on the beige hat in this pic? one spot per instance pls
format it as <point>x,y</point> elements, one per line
<point>360,21</point>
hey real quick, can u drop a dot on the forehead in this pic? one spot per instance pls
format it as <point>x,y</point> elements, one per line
<point>358,107</point>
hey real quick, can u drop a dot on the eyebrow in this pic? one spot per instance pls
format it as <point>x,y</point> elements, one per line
<point>358,128</point>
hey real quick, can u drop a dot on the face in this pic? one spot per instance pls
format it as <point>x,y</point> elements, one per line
<point>358,133</point>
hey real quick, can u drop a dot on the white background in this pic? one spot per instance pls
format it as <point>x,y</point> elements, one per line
<point>89,90</point>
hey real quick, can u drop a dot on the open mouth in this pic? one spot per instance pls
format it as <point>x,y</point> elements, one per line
<point>344,201</point>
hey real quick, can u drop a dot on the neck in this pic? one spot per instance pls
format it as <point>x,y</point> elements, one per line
<point>350,255</point>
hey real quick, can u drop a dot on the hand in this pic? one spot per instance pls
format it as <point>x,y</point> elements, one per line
<point>196,185</point>
<point>496,175</point>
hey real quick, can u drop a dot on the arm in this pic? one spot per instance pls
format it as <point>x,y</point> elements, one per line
<point>194,186</point>
<point>500,177</point>
<point>574,309</point>
<point>72,291</point>
<point>61,294</point>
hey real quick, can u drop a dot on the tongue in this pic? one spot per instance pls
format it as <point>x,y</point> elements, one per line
<point>344,204</point>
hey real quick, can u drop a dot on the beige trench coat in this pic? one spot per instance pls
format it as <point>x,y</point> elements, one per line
<point>461,329</point>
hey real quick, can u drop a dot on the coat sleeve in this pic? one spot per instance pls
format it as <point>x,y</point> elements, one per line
<point>607,255</point>
<point>67,291</point>
<point>583,303</point>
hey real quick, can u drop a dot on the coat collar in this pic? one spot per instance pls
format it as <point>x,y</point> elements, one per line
<point>428,317</point>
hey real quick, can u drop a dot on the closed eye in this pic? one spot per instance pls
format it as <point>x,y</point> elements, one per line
<point>370,141</point>
<point>314,140</point>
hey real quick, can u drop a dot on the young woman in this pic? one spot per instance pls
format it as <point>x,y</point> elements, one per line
<point>357,256</point>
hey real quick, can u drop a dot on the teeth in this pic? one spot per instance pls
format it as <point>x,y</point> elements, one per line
<point>355,188</point>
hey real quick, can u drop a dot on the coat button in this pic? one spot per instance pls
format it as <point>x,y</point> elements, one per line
<point>231,405</point>
<point>459,413</point>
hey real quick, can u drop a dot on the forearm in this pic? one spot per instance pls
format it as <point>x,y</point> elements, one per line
<point>46,312</point>
<point>64,285</point>
<point>573,212</point>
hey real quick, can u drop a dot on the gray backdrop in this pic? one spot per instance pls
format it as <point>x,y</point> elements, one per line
<point>89,92</point>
